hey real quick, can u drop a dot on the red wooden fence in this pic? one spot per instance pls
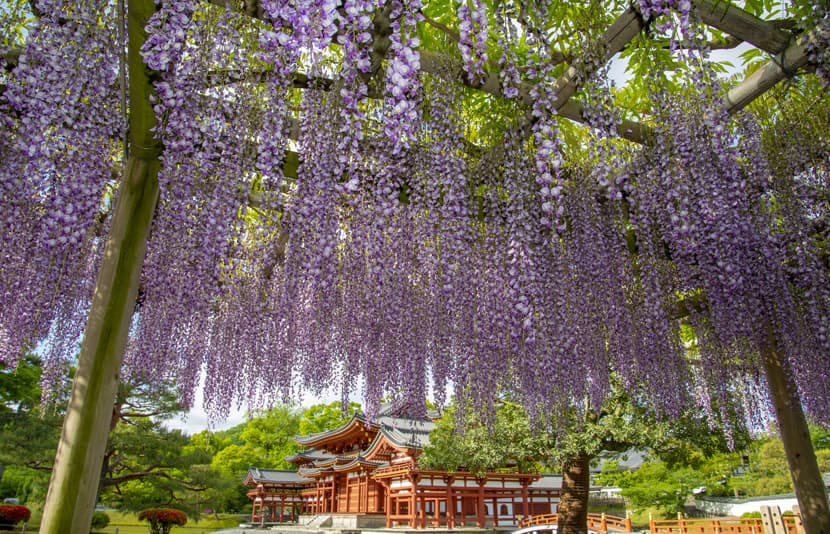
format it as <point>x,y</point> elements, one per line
<point>723,525</point>
<point>597,522</point>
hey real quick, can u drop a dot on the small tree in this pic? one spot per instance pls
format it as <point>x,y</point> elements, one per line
<point>12,514</point>
<point>162,519</point>
<point>100,520</point>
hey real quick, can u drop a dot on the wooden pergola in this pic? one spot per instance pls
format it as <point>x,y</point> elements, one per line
<point>75,478</point>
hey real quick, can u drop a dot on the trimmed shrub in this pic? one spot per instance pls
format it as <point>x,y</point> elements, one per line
<point>100,520</point>
<point>12,514</point>
<point>162,519</point>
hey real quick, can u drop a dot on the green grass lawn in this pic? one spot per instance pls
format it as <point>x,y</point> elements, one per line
<point>129,524</point>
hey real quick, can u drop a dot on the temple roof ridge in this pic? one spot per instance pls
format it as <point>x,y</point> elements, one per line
<point>258,475</point>
<point>360,431</point>
<point>311,438</point>
<point>311,455</point>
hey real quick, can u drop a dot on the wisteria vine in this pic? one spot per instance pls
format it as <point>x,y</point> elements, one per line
<point>401,254</point>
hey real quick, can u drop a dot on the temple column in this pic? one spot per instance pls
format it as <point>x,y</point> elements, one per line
<point>480,521</point>
<point>349,481</point>
<point>422,515</point>
<point>387,490</point>
<point>450,501</point>
<point>412,502</point>
<point>360,494</point>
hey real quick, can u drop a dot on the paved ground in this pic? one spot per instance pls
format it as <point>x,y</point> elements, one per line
<point>243,530</point>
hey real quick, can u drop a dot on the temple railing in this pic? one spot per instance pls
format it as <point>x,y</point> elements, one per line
<point>723,525</point>
<point>597,522</point>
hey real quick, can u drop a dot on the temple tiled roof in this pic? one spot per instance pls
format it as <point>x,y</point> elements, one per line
<point>309,455</point>
<point>400,430</point>
<point>358,461</point>
<point>414,437</point>
<point>547,482</point>
<point>258,475</point>
<point>310,439</point>
<point>311,472</point>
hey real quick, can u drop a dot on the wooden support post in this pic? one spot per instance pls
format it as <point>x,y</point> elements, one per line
<point>76,475</point>
<point>525,498</point>
<point>772,521</point>
<point>480,522</point>
<point>799,521</point>
<point>795,435</point>
<point>387,486</point>
<point>422,516</point>
<point>450,502</point>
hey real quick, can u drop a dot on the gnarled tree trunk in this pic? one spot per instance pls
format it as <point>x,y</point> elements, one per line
<point>573,504</point>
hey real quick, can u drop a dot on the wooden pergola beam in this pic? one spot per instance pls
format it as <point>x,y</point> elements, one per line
<point>739,23</point>
<point>784,65</point>
<point>620,33</point>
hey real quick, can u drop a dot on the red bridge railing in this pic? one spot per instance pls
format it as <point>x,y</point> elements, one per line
<point>597,522</point>
<point>723,525</point>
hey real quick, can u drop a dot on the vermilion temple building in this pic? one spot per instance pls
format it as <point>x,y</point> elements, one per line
<point>365,474</point>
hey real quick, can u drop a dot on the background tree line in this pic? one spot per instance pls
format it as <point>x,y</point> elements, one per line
<point>147,464</point>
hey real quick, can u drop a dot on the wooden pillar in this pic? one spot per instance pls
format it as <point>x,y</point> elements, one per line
<point>362,493</point>
<point>422,515</point>
<point>449,481</point>
<point>795,435</point>
<point>387,487</point>
<point>349,482</point>
<point>495,512</point>
<point>480,521</point>
<point>525,499</point>
<point>77,470</point>
<point>412,517</point>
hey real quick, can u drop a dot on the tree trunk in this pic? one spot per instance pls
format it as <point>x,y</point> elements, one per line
<point>76,475</point>
<point>795,435</point>
<point>573,503</point>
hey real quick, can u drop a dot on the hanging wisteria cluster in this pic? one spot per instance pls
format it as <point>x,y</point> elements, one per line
<point>398,256</point>
<point>60,127</point>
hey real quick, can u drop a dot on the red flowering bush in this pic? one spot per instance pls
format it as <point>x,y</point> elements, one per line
<point>162,519</point>
<point>11,514</point>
